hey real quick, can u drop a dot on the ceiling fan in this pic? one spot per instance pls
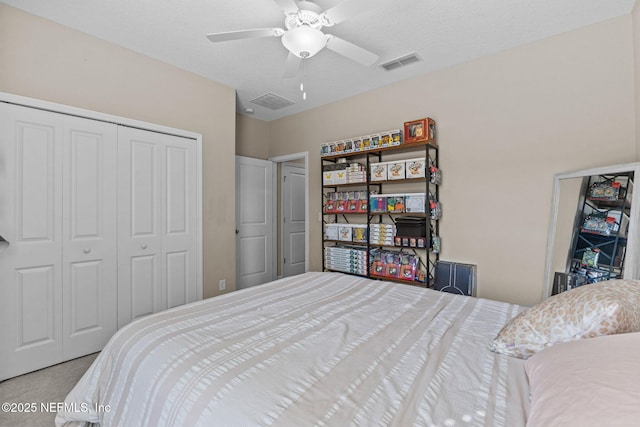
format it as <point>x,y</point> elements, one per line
<point>303,36</point>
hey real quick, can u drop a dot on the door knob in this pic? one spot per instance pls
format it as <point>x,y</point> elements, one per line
<point>144,246</point>
<point>87,250</point>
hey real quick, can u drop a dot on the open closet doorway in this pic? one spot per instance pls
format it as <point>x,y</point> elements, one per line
<point>292,218</point>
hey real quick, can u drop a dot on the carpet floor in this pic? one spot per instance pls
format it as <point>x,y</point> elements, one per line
<point>48,386</point>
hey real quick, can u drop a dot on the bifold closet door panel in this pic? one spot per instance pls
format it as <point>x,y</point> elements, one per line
<point>139,217</point>
<point>179,221</point>
<point>31,220</point>
<point>156,222</point>
<point>89,235</point>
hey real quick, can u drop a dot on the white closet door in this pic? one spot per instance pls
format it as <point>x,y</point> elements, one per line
<point>31,220</point>
<point>139,237</point>
<point>157,233</point>
<point>179,204</point>
<point>58,211</point>
<point>89,235</point>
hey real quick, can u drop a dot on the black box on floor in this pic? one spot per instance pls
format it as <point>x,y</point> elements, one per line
<point>455,278</point>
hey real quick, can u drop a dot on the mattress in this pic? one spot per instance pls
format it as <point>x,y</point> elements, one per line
<point>324,349</point>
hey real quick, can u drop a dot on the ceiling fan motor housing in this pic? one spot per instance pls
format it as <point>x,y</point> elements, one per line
<point>303,17</point>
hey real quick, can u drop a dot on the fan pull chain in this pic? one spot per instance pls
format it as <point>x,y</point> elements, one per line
<point>304,93</point>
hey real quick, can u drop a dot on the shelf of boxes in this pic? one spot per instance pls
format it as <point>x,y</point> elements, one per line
<point>365,220</point>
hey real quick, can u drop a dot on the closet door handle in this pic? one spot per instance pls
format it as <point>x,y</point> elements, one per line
<point>87,250</point>
<point>144,246</point>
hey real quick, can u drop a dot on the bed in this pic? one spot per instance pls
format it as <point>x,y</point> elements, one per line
<point>314,349</point>
<point>323,349</point>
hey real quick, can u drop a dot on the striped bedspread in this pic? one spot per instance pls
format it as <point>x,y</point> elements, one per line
<point>318,349</point>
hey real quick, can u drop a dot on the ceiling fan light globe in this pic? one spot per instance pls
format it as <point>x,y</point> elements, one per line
<point>304,41</point>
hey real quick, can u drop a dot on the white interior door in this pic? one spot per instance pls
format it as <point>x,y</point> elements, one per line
<point>293,219</point>
<point>157,232</point>
<point>31,220</point>
<point>139,219</point>
<point>89,235</point>
<point>254,222</point>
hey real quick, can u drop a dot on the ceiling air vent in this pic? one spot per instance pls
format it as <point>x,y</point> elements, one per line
<point>402,61</point>
<point>272,101</point>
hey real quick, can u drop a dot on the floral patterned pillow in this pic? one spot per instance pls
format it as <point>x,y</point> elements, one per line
<point>603,308</point>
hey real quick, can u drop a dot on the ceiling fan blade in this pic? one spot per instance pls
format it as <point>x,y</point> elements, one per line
<point>245,34</point>
<point>351,51</point>
<point>349,8</point>
<point>292,66</point>
<point>288,6</point>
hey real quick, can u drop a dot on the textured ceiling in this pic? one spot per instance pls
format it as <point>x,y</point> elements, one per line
<point>441,32</point>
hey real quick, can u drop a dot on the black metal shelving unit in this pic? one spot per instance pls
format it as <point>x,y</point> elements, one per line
<point>609,241</point>
<point>426,256</point>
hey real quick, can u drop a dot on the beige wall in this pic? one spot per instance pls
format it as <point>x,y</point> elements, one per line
<point>44,60</point>
<point>252,137</point>
<point>507,123</point>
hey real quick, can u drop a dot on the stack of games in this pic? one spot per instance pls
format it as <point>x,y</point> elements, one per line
<point>382,234</point>
<point>356,173</point>
<point>343,173</point>
<point>346,259</point>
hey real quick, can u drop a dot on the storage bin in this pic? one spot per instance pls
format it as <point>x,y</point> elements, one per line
<point>379,171</point>
<point>411,226</point>
<point>395,203</point>
<point>346,233</point>
<point>415,202</point>
<point>395,170</point>
<point>415,168</point>
<point>378,204</point>
<point>340,176</point>
<point>360,233</point>
<point>332,231</point>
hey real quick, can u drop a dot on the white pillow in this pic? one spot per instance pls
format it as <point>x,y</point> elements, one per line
<point>604,308</point>
<point>586,383</point>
